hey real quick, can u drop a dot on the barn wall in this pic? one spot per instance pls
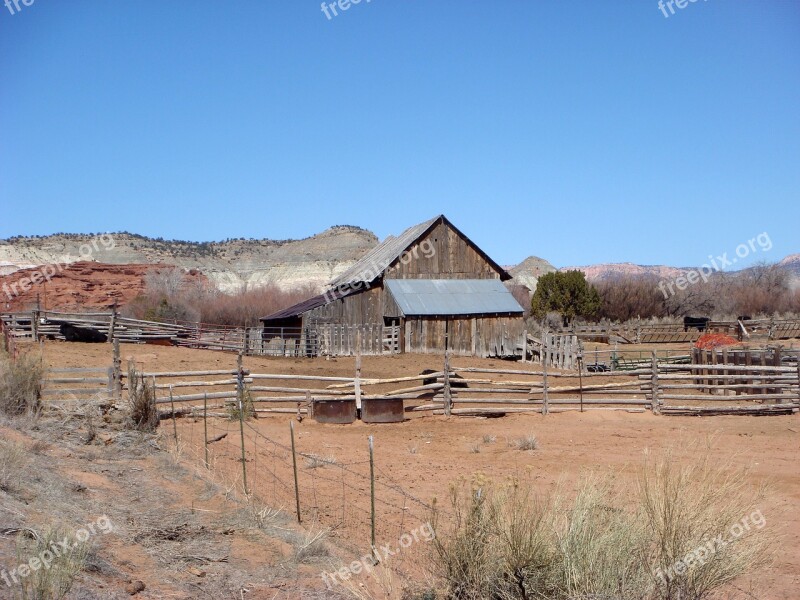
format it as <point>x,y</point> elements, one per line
<point>442,254</point>
<point>478,336</point>
<point>362,308</point>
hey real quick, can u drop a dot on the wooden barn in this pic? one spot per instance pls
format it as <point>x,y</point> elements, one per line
<point>427,290</point>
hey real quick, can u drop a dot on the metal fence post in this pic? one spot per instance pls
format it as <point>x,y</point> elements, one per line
<point>372,492</point>
<point>294,467</point>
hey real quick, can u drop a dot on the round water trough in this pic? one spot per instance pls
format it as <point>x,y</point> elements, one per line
<point>335,411</point>
<point>382,411</point>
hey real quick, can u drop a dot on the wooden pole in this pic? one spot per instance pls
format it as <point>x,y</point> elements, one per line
<point>448,398</point>
<point>580,377</point>
<point>656,408</point>
<point>174,422</point>
<point>205,427</point>
<point>545,357</point>
<point>798,381</point>
<point>525,346</point>
<point>240,399</point>
<point>372,491</point>
<point>112,323</point>
<point>117,365</point>
<point>357,382</point>
<point>294,467</point>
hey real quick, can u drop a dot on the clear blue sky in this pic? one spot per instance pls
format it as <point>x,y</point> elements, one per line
<point>581,132</point>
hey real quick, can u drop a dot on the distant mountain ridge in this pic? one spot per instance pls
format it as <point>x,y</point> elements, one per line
<point>234,264</point>
<point>230,265</point>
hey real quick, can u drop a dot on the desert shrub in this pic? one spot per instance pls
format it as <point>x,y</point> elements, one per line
<point>142,407</point>
<point>13,461</point>
<point>248,409</point>
<point>503,542</point>
<point>596,545</point>
<point>20,384</point>
<point>527,442</point>
<point>464,556</point>
<point>170,295</point>
<point>51,582</point>
<point>695,511</point>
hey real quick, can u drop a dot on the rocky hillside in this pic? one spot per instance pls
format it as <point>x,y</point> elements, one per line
<point>527,272</point>
<point>229,265</point>
<point>79,286</point>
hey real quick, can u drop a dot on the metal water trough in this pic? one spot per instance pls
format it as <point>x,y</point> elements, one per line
<point>382,411</point>
<point>335,411</point>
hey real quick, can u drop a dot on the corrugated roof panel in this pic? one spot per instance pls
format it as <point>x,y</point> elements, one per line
<point>377,260</point>
<point>442,297</point>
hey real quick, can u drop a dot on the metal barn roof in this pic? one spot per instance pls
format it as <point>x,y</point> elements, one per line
<point>440,297</point>
<point>377,260</point>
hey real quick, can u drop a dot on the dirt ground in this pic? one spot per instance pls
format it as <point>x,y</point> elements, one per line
<point>426,453</point>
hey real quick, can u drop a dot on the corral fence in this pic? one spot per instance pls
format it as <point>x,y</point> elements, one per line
<point>217,419</point>
<point>9,344</point>
<point>320,340</point>
<point>634,332</point>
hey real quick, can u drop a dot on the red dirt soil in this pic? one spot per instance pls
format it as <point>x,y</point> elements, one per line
<point>426,453</point>
<point>76,286</point>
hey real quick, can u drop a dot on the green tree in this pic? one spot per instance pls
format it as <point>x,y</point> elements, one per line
<point>567,293</point>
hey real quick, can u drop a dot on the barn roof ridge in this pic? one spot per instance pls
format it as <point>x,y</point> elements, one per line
<point>376,261</point>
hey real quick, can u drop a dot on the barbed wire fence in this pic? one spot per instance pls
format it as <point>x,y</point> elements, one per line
<point>331,495</point>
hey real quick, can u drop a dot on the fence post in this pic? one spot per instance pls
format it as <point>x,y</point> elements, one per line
<point>174,422</point>
<point>35,323</point>
<point>654,402</point>
<point>240,400</point>
<point>798,382</point>
<point>294,467</point>
<point>372,493</point>
<point>117,366</point>
<point>525,346</point>
<point>545,358</point>
<point>448,399</point>
<point>580,377</point>
<point>112,323</point>
<point>205,427</point>
<point>357,381</point>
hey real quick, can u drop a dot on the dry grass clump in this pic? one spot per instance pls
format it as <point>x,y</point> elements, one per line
<point>528,442</point>
<point>51,582</point>
<point>248,406</point>
<point>142,407</point>
<point>311,545</point>
<point>13,461</point>
<point>705,527</point>
<point>687,532</point>
<point>20,384</point>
